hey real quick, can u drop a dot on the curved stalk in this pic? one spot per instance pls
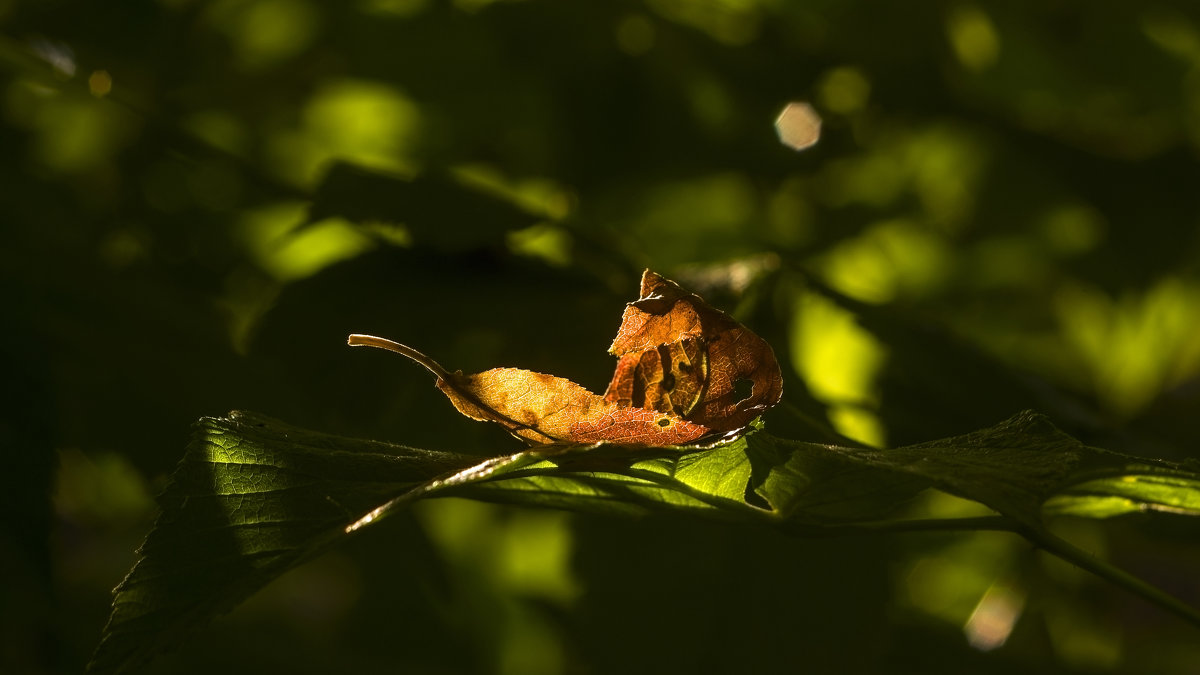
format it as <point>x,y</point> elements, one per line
<point>360,340</point>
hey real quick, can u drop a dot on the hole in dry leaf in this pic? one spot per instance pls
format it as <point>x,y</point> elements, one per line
<point>742,389</point>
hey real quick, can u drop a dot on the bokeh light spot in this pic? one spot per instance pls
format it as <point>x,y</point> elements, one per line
<point>1134,346</point>
<point>994,617</point>
<point>367,123</point>
<point>839,361</point>
<point>844,90</point>
<point>290,252</point>
<point>973,37</point>
<point>889,258</point>
<point>264,33</point>
<point>100,83</point>
<point>58,55</point>
<point>950,584</point>
<point>76,134</point>
<point>798,126</point>
<point>546,242</point>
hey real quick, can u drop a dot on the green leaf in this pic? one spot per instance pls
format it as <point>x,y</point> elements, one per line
<point>1129,488</point>
<point>755,478</point>
<point>820,485</point>
<point>253,497</point>
<point>1011,467</point>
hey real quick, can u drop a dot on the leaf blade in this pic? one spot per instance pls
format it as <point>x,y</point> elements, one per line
<point>251,498</point>
<point>1129,488</point>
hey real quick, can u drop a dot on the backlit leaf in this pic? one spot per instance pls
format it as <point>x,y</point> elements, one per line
<point>686,370</point>
<point>253,497</point>
<point>679,354</point>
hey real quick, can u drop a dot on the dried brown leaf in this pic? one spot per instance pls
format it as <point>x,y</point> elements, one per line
<point>543,408</point>
<point>679,377</point>
<point>679,354</point>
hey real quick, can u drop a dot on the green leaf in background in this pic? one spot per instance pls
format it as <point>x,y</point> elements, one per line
<point>437,208</point>
<point>253,497</point>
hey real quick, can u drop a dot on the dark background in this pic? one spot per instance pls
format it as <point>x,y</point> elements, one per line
<point>200,200</point>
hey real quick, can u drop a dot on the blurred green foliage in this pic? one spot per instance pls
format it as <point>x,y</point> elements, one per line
<point>201,199</point>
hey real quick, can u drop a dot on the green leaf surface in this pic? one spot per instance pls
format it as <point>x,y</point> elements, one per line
<point>1129,488</point>
<point>253,497</point>
<point>1011,467</point>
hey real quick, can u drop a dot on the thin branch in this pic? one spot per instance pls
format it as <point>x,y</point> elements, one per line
<point>977,524</point>
<point>1085,560</point>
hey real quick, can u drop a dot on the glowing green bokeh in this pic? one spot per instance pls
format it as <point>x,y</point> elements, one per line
<point>973,37</point>
<point>844,90</point>
<point>949,584</point>
<point>265,33</point>
<point>946,164</point>
<point>71,134</point>
<point>889,259</point>
<point>367,123</point>
<point>100,488</point>
<point>536,195</point>
<point>1136,345</point>
<point>839,361</point>
<point>509,556</point>
<point>546,242</point>
<point>288,253</point>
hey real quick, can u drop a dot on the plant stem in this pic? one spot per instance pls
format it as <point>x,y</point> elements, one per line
<point>981,523</point>
<point>1085,560</point>
<point>359,340</point>
<point>1039,537</point>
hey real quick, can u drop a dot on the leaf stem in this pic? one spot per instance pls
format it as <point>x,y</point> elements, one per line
<point>360,340</point>
<point>1087,561</point>
<point>978,524</point>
